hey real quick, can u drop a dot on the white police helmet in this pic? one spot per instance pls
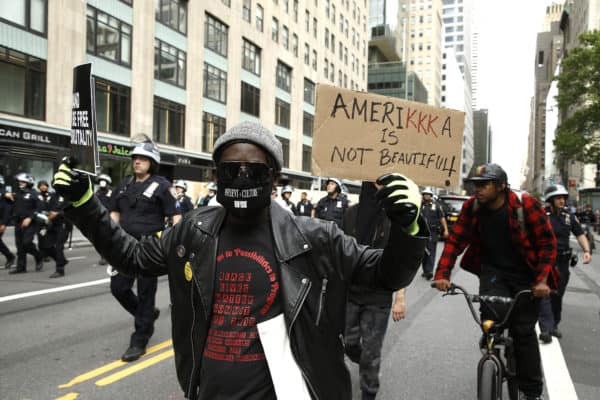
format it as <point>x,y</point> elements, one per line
<point>555,190</point>
<point>427,190</point>
<point>337,182</point>
<point>105,178</point>
<point>211,186</point>
<point>180,183</point>
<point>147,149</point>
<point>23,177</point>
<point>287,189</point>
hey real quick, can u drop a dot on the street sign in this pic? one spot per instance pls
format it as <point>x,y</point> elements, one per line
<point>84,138</point>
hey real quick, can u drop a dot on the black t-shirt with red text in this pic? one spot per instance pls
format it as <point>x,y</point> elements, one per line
<point>246,293</point>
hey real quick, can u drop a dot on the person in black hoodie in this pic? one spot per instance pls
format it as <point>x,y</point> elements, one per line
<point>368,310</point>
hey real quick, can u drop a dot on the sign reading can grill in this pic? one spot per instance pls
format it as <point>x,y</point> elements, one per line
<point>84,138</point>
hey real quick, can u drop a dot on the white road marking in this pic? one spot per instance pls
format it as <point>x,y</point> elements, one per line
<point>53,290</point>
<point>556,374</point>
<point>76,258</point>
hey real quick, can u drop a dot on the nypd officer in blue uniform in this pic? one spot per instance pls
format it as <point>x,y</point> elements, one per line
<point>52,234</point>
<point>184,203</point>
<point>142,203</point>
<point>434,216</point>
<point>26,206</point>
<point>5,211</point>
<point>333,206</point>
<point>563,223</point>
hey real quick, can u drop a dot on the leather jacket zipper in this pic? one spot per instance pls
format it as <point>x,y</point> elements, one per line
<point>321,299</point>
<point>306,284</point>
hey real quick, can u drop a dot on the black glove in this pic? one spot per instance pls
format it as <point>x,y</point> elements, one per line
<point>72,185</point>
<point>401,199</point>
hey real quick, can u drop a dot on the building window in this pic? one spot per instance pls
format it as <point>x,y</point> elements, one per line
<point>282,113</point>
<point>285,146</point>
<point>314,60</point>
<point>250,99</point>
<point>283,79</point>
<point>215,35</point>
<point>306,157</point>
<point>112,107</point>
<point>333,14</point>
<point>169,63</point>
<point>259,18</point>
<point>285,37</point>
<point>307,124</point>
<point>307,21</point>
<point>295,45</point>
<point>226,2</point>
<point>172,13</point>
<point>295,10</point>
<point>251,57</point>
<point>28,14</point>
<point>275,30</point>
<point>108,37</point>
<point>215,83</point>
<point>306,54</point>
<point>309,90</point>
<point>24,77</point>
<point>246,10</point>
<point>326,69</point>
<point>315,27</point>
<point>213,126</point>
<point>169,122</point>
<point>326,38</point>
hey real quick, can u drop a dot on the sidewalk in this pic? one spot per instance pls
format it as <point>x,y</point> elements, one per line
<point>78,239</point>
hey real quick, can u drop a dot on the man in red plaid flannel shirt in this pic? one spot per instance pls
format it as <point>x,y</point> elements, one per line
<point>508,253</point>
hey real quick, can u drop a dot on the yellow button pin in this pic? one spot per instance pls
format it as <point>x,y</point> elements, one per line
<point>187,270</point>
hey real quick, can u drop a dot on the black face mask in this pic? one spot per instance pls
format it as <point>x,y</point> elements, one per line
<point>244,193</point>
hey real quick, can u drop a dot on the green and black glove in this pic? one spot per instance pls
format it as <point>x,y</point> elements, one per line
<point>72,185</point>
<point>401,199</point>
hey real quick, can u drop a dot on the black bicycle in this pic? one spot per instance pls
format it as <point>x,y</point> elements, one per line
<point>498,364</point>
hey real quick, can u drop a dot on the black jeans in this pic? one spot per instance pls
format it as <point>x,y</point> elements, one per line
<point>551,307</point>
<point>140,306</point>
<point>52,245</point>
<point>521,326</point>
<point>24,242</point>
<point>365,329</point>
<point>5,250</point>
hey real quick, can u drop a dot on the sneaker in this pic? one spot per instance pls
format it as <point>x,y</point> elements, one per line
<point>57,274</point>
<point>10,262</point>
<point>556,333</point>
<point>39,265</point>
<point>545,337</point>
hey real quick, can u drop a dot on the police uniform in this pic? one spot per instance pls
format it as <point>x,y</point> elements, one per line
<point>26,204</point>
<point>562,224</point>
<point>52,237</point>
<point>143,207</point>
<point>331,209</point>
<point>5,212</point>
<point>184,204</point>
<point>105,197</point>
<point>433,214</point>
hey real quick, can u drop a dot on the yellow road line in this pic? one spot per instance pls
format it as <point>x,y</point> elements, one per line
<point>134,368</point>
<point>109,367</point>
<point>68,396</point>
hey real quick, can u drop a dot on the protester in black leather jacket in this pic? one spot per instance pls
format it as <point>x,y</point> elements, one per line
<point>316,263</point>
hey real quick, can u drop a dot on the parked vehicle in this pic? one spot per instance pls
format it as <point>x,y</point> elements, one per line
<point>452,204</point>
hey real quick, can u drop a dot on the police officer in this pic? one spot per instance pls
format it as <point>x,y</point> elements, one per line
<point>286,193</point>
<point>105,195</point>
<point>5,210</point>
<point>434,216</point>
<point>304,206</point>
<point>184,203</point>
<point>141,205</point>
<point>563,223</point>
<point>26,205</point>
<point>52,234</point>
<point>210,196</point>
<point>333,206</point>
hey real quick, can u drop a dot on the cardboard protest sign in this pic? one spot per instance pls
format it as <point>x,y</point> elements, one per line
<point>84,138</point>
<point>363,136</point>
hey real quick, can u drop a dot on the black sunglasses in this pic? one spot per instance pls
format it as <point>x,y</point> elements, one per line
<point>229,170</point>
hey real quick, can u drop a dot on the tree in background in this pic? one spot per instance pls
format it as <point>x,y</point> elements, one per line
<point>579,103</point>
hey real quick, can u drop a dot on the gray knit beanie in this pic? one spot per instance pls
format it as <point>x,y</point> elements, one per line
<point>250,132</point>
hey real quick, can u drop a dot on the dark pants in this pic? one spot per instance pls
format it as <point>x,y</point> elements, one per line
<point>365,330</point>
<point>24,242</point>
<point>5,250</point>
<point>52,245</point>
<point>521,327</point>
<point>551,307</point>
<point>140,306</point>
<point>429,259</point>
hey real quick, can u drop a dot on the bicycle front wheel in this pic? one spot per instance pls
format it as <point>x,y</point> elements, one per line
<point>488,382</point>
